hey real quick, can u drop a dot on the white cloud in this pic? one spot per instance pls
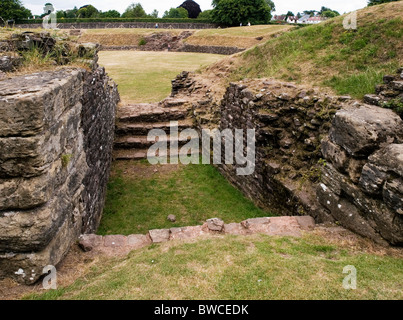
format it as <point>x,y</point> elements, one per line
<point>36,6</point>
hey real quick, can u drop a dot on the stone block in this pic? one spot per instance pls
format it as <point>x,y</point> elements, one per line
<point>235,229</point>
<point>27,267</point>
<point>159,235</point>
<point>115,241</point>
<point>256,225</point>
<point>347,214</point>
<point>372,179</point>
<point>31,104</point>
<point>215,224</point>
<point>335,154</point>
<point>187,232</point>
<point>360,129</point>
<point>306,222</point>
<point>89,242</point>
<point>284,226</point>
<point>393,195</point>
<point>137,241</point>
<point>390,158</point>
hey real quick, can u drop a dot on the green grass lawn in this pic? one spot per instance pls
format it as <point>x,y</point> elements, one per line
<point>139,199</point>
<point>239,268</point>
<point>145,77</point>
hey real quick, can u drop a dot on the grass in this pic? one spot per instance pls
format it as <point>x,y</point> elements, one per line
<point>239,268</point>
<point>241,37</point>
<point>140,83</point>
<point>346,61</point>
<point>139,199</point>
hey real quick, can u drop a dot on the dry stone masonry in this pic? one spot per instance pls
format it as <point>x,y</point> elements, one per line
<point>56,138</point>
<point>331,157</point>
<point>272,226</point>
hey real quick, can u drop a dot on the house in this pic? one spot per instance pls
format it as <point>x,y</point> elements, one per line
<point>307,19</point>
<point>292,19</point>
<point>279,18</point>
<point>304,19</point>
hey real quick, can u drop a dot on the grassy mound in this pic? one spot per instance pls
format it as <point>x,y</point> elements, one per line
<point>347,61</point>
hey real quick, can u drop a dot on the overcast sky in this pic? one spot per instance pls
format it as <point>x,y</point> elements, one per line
<point>343,6</point>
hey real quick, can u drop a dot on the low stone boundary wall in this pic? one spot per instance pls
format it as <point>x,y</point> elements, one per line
<point>272,226</point>
<point>113,25</point>
<point>185,48</point>
<point>211,49</point>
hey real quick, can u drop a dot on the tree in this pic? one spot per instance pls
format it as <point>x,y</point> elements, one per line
<point>271,5</point>
<point>375,2</point>
<point>87,11</point>
<point>192,8</point>
<point>328,13</point>
<point>234,12</point>
<point>176,13</point>
<point>110,14</point>
<point>310,13</point>
<point>71,14</point>
<point>13,10</point>
<point>206,14</point>
<point>154,14</point>
<point>289,14</point>
<point>135,10</point>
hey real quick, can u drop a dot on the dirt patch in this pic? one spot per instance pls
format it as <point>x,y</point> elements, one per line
<point>76,264</point>
<point>143,170</point>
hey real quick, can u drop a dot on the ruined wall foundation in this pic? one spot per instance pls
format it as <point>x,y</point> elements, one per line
<point>331,157</point>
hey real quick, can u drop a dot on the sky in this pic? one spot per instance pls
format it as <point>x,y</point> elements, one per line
<point>342,6</point>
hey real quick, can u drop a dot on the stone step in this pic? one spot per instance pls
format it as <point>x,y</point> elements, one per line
<point>142,128</point>
<point>150,113</point>
<point>172,102</point>
<point>128,141</point>
<point>139,154</point>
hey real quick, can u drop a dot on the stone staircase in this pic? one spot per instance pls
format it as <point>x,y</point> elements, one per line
<point>135,121</point>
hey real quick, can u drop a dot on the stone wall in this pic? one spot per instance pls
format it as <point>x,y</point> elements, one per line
<point>108,25</point>
<point>330,157</point>
<point>210,49</point>
<point>56,134</point>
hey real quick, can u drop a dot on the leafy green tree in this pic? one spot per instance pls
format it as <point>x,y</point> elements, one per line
<point>176,13</point>
<point>206,14</point>
<point>328,13</point>
<point>71,14</point>
<point>154,14</point>
<point>60,14</point>
<point>234,12</point>
<point>310,12</point>
<point>88,11</point>
<point>271,5</point>
<point>375,2</point>
<point>13,9</point>
<point>135,10</point>
<point>110,14</point>
<point>289,14</point>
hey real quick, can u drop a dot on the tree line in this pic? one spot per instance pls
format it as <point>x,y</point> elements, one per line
<point>224,12</point>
